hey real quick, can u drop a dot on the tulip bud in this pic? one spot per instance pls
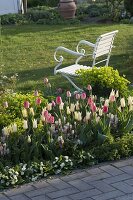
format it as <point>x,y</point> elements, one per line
<point>97,119</point>
<point>35,123</point>
<point>51,120</point>
<point>77,96</point>
<point>53,103</point>
<point>83,96</point>
<point>122,101</point>
<point>5,104</point>
<point>111,98</point>
<point>38,101</point>
<point>45,80</point>
<point>25,124</point>
<point>58,100</point>
<point>29,139</point>
<point>36,93</point>
<point>68,94</point>
<point>76,115</point>
<point>117,94</point>
<point>26,104</point>
<point>89,87</point>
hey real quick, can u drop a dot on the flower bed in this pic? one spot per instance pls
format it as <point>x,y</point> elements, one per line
<point>52,137</point>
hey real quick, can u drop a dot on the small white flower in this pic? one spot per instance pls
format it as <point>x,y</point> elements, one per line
<point>35,123</point>
<point>62,165</point>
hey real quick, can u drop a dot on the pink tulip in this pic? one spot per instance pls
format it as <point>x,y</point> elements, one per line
<point>45,113</point>
<point>38,101</point>
<point>105,109</point>
<point>83,95</point>
<point>5,104</point>
<point>68,94</point>
<point>93,107</point>
<point>58,100</point>
<point>89,87</point>
<point>45,80</point>
<point>53,103</point>
<point>26,104</point>
<point>90,101</point>
<point>51,119</point>
<point>112,98</point>
<point>77,96</point>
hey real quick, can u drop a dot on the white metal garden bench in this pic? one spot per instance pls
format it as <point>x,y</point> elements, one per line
<point>102,47</point>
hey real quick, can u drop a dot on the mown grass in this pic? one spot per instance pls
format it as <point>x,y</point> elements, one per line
<point>28,50</point>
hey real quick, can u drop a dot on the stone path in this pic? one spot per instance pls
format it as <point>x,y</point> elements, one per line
<point>113,181</point>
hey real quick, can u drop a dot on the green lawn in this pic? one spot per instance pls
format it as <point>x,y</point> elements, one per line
<point>28,50</point>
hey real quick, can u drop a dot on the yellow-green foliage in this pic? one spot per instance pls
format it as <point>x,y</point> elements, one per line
<point>103,80</point>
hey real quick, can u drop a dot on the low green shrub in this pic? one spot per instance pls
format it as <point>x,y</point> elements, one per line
<point>103,80</point>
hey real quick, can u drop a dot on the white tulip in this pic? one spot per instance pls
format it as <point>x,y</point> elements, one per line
<point>130,100</point>
<point>88,114</point>
<point>68,110</point>
<point>35,123</point>
<point>106,102</point>
<point>72,107</point>
<point>24,112</point>
<point>79,116</point>
<point>14,128</point>
<point>77,105</point>
<point>32,111</point>
<point>61,106</point>
<point>49,106</point>
<point>131,108</point>
<point>25,124</point>
<point>117,94</point>
<point>122,101</point>
<point>76,115</point>
<point>100,112</point>
<point>5,131</point>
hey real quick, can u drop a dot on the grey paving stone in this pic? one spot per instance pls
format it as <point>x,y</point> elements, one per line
<point>96,177</point>
<point>109,195</point>
<point>129,182</point>
<point>61,193</point>
<point>64,198</point>
<point>123,163</point>
<point>128,169</point>
<point>80,185</point>
<point>58,183</point>
<point>19,197</point>
<point>41,184</point>
<point>125,197</point>
<point>102,186</point>
<point>111,170</point>
<point>124,187</point>
<point>94,171</point>
<point>41,197</point>
<point>41,191</point>
<point>74,176</point>
<point>3,197</point>
<point>118,178</point>
<point>19,190</point>
<point>85,194</point>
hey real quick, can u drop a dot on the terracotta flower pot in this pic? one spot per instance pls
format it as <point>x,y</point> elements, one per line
<point>67,8</point>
